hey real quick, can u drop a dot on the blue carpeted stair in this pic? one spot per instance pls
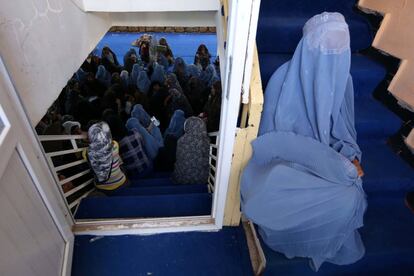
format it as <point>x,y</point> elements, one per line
<point>182,254</point>
<point>150,197</point>
<point>388,233</point>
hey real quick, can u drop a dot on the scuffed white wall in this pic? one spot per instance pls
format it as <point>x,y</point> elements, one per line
<point>42,43</point>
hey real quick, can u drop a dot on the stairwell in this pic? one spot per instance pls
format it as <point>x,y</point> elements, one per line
<point>389,226</point>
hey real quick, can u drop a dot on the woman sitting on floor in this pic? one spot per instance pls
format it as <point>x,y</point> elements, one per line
<point>103,157</point>
<point>303,185</point>
<point>191,166</point>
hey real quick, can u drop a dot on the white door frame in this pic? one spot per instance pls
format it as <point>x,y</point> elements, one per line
<point>31,154</point>
<point>241,32</point>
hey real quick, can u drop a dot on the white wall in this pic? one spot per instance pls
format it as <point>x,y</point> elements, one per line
<point>164,19</point>
<point>44,42</point>
<point>147,6</point>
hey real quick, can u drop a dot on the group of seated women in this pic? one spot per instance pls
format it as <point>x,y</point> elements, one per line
<point>152,113</point>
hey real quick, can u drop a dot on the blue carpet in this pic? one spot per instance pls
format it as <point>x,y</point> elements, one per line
<point>151,182</point>
<point>182,44</point>
<point>388,233</point>
<point>193,253</point>
<point>164,190</point>
<point>145,206</point>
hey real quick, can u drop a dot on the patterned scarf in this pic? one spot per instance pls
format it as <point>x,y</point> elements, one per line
<point>100,150</point>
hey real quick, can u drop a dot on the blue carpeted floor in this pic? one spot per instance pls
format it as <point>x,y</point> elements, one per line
<point>195,253</point>
<point>388,233</point>
<point>182,44</point>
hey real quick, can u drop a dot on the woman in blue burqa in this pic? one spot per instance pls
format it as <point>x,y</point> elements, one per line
<point>303,185</point>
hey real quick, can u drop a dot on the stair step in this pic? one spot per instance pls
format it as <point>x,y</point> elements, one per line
<point>307,7</point>
<point>388,238</point>
<point>384,170</point>
<point>281,33</point>
<point>151,182</point>
<point>366,73</point>
<point>374,121</point>
<point>164,190</point>
<point>223,252</point>
<point>144,206</point>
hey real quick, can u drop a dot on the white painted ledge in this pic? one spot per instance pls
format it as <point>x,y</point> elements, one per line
<point>147,5</point>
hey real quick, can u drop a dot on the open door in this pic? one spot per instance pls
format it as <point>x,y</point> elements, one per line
<point>35,237</point>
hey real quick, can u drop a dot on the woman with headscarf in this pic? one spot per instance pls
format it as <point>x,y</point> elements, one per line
<point>158,74</point>
<point>212,108</point>
<point>131,146</point>
<point>103,76</point>
<point>168,51</point>
<point>180,70</point>
<point>209,75</point>
<point>303,185</point>
<point>71,128</point>
<point>128,54</point>
<point>191,166</point>
<point>171,82</point>
<point>196,94</point>
<point>124,79</point>
<point>151,134</point>
<point>136,69</point>
<point>176,127</point>
<point>103,157</point>
<point>177,100</point>
<point>193,71</point>
<point>130,59</point>
<point>157,95</point>
<point>109,60</point>
<point>143,82</point>
<point>166,156</point>
<point>202,53</point>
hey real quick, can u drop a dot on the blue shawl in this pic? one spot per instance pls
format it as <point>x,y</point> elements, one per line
<point>300,186</point>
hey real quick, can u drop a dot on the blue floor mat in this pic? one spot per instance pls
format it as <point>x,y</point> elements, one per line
<point>193,253</point>
<point>144,206</point>
<point>182,44</point>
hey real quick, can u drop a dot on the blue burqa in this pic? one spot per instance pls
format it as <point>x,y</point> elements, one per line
<point>176,126</point>
<point>158,74</point>
<point>103,76</point>
<point>136,69</point>
<point>143,82</point>
<point>300,186</point>
<point>144,118</point>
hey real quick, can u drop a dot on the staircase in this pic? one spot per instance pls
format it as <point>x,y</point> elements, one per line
<point>153,197</point>
<point>388,233</point>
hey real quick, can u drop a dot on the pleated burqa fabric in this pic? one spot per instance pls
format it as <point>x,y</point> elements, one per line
<point>300,186</point>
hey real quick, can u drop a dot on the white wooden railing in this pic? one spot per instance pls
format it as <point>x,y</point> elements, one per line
<point>86,186</point>
<point>65,146</point>
<point>213,160</point>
